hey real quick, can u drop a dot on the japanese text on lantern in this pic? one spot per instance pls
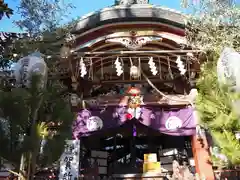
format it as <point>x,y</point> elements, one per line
<point>69,164</point>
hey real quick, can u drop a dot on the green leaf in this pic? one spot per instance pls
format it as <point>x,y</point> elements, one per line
<point>213,26</point>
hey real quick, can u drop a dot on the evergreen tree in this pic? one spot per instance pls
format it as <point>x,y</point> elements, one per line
<point>41,15</point>
<point>36,110</point>
<point>50,109</point>
<point>41,20</point>
<point>5,10</point>
<point>214,26</point>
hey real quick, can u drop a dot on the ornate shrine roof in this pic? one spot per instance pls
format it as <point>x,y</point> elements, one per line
<point>137,12</point>
<point>132,34</point>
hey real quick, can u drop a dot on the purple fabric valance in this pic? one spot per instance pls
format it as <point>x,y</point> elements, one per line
<point>176,122</point>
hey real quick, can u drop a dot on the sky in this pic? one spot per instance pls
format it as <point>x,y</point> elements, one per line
<point>82,7</point>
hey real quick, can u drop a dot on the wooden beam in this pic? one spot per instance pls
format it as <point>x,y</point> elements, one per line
<point>133,81</point>
<point>182,51</point>
<point>169,100</point>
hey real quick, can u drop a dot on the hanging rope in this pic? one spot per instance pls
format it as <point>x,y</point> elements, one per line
<point>139,67</point>
<point>159,68</point>
<point>161,93</point>
<point>131,62</point>
<point>189,69</point>
<point>123,77</point>
<point>91,68</point>
<point>71,70</point>
<point>78,68</point>
<point>169,68</point>
<point>111,73</point>
<point>101,69</point>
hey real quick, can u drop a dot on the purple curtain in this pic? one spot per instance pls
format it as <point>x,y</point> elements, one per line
<point>176,122</point>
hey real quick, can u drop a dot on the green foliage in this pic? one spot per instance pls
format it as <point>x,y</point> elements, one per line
<point>48,43</point>
<point>215,26</point>
<point>18,107</point>
<point>5,10</point>
<point>229,146</point>
<point>41,15</point>
<point>41,20</point>
<point>27,112</point>
<point>14,113</point>
<point>217,114</point>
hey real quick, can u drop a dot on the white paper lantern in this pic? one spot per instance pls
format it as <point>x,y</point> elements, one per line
<point>134,72</point>
<point>27,66</point>
<point>228,68</point>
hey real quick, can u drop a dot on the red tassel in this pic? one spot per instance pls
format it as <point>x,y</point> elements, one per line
<point>129,116</point>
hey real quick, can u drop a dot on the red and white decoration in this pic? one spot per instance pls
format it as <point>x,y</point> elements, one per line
<point>118,67</point>
<point>83,68</point>
<point>133,113</point>
<point>152,66</point>
<point>180,66</point>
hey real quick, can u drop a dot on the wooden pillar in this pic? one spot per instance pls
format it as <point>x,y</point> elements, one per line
<point>200,146</point>
<point>202,158</point>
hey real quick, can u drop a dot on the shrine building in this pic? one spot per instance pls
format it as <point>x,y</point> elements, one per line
<point>132,77</point>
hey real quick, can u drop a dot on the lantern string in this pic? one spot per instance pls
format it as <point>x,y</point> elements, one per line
<point>131,62</point>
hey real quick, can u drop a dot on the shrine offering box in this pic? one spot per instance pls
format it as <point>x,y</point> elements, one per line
<point>150,158</point>
<point>152,167</point>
